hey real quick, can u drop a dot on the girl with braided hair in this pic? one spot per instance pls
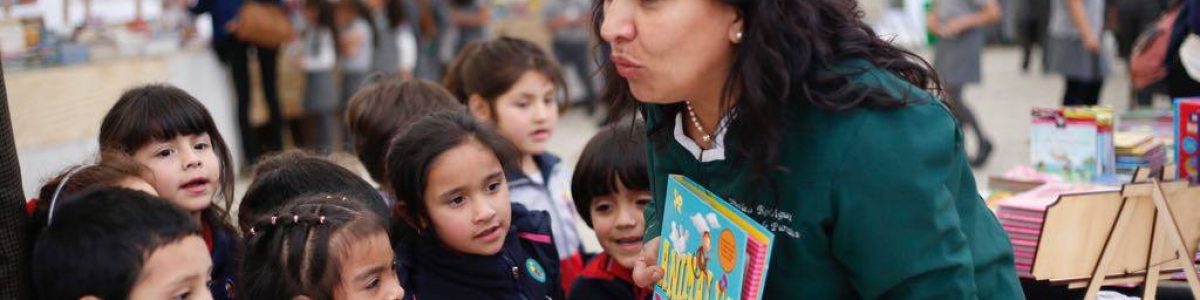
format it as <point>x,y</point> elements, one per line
<point>319,247</point>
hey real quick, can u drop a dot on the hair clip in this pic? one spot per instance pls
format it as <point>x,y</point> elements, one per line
<point>321,221</point>
<point>295,218</point>
<point>273,218</point>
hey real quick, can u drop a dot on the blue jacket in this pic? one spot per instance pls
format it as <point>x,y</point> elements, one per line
<point>224,257</point>
<point>526,268</point>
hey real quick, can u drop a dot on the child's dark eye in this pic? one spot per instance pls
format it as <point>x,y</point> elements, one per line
<point>643,202</point>
<point>603,207</point>
<point>373,284</point>
<point>183,295</point>
<point>202,146</point>
<point>163,153</point>
<point>457,201</point>
<point>493,187</point>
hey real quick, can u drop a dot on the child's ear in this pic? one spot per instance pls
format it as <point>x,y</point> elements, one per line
<point>479,108</point>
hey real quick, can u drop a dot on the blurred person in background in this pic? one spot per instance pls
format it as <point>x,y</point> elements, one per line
<point>1032,16</point>
<point>395,53</point>
<point>235,53</point>
<point>430,20</point>
<point>1074,49</point>
<point>569,20</point>
<point>470,19</point>
<point>959,25</point>
<point>1129,19</point>
<point>356,41</point>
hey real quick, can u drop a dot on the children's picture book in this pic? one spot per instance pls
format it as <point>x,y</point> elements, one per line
<point>1074,142</point>
<point>710,249</point>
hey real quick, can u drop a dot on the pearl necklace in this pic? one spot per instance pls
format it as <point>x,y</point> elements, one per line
<point>696,122</point>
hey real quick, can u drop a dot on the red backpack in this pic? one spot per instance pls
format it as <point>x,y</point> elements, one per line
<point>1147,64</point>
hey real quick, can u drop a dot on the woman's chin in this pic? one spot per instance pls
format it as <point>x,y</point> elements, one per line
<point>646,95</point>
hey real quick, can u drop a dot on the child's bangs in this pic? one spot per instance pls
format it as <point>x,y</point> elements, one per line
<point>606,169</point>
<point>343,240</point>
<point>164,120</point>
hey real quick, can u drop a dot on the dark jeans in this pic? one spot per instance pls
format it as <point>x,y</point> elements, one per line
<point>255,141</point>
<point>1082,92</point>
<point>1032,33</point>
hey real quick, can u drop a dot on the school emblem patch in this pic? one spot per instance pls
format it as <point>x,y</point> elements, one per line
<point>535,270</point>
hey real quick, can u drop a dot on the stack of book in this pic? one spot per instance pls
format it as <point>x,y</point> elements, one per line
<point>1138,150</point>
<point>1022,216</point>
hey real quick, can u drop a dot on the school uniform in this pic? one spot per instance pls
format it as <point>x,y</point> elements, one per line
<point>605,279</point>
<point>356,68</point>
<point>869,203</point>
<point>222,245</point>
<point>320,90</point>
<point>526,267</point>
<point>551,192</point>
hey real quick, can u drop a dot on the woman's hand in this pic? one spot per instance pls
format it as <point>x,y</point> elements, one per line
<point>646,270</point>
<point>1091,44</point>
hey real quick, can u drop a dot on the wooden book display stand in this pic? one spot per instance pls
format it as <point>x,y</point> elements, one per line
<point>1149,228</point>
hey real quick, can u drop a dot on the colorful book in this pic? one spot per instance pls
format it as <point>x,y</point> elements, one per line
<point>1074,142</point>
<point>1129,140</point>
<point>710,249</point>
<point>1187,138</point>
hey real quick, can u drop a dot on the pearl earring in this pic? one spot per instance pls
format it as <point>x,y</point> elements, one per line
<point>738,36</point>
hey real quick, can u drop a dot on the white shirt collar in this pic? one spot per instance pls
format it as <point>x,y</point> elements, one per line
<point>717,153</point>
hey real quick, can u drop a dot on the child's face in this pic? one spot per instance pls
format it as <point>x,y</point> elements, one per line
<point>311,14</point>
<point>344,13</point>
<point>186,169</point>
<point>175,271</point>
<point>467,199</point>
<point>367,271</point>
<point>618,222</point>
<point>526,114</point>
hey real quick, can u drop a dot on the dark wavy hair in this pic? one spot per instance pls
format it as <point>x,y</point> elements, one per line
<point>786,54</point>
<point>157,112</point>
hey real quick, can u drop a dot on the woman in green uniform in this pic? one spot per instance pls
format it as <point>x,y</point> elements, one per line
<point>797,113</point>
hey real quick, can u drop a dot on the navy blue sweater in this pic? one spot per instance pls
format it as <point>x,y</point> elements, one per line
<point>526,267</point>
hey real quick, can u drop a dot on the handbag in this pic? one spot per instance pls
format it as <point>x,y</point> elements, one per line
<point>264,25</point>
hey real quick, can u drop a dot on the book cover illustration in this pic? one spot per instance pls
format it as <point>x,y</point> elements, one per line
<point>710,249</point>
<point>1075,143</point>
<point>1187,134</point>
